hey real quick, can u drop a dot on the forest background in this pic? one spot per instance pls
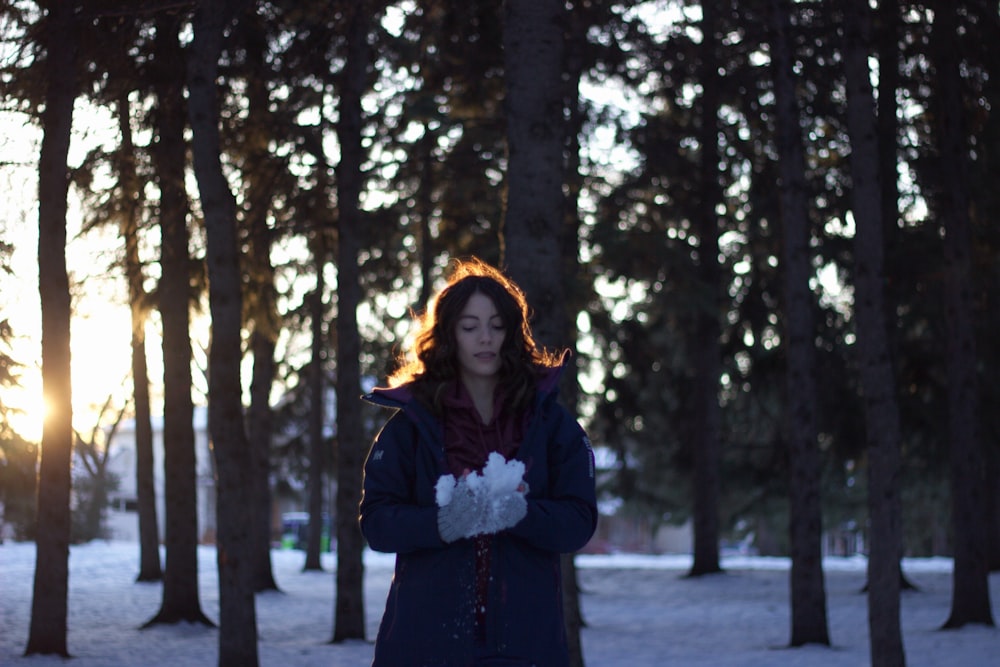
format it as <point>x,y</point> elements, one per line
<point>765,228</point>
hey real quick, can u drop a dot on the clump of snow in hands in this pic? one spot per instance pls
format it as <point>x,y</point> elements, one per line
<point>493,497</point>
<point>498,479</point>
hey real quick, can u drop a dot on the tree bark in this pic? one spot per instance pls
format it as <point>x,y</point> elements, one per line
<point>149,531</point>
<point>47,631</point>
<point>180,574</point>
<point>575,297</point>
<point>426,205</point>
<point>706,449</point>
<point>535,244</point>
<point>808,595</point>
<point>877,382</point>
<point>260,422</point>
<point>349,622</point>
<point>887,125</point>
<point>534,47</point>
<point>318,458</point>
<point>261,302</point>
<point>234,464</point>
<point>970,600</point>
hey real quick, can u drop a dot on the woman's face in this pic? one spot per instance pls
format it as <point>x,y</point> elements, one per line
<point>479,333</point>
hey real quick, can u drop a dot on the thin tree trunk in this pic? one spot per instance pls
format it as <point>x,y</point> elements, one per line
<point>180,574</point>
<point>426,206</point>
<point>47,631</point>
<point>808,595</point>
<point>317,415</point>
<point>877,381</point>
<point>234,464</point>
<point>260,422</point>
<point>319,457</point>
<point>970,601</point>
<point>149,532</point>
<point>262,304</point>
<point>349,621</point>
<point>707,446</point>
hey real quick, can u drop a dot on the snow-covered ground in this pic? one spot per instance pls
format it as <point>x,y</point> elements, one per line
<point>641,612</point>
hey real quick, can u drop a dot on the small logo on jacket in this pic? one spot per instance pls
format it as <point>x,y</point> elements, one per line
<point>590,455</point>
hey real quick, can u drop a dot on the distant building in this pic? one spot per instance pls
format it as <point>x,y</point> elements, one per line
<point>122,520</point>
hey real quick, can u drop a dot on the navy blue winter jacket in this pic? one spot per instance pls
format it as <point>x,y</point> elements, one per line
<point>429,617</point>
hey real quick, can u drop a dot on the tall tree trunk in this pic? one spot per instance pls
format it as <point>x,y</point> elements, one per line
<point>887,124</point>
<point>260,428</point>
<point>261,302</point>
<point>47,631</point>
<point>534,47</point>
<point>534,238</point>
<point>808,596</point>
<point>877,381</point>
<point>180,574</point>
<point>317,399</point>
<point>575,297</point>
<point>234,464</point>
<point>970,601</point>
<point>149,532</point>
<point>706,448</point>
<point>319,457</point>
<point>349,621</point>
<point>426,206</point>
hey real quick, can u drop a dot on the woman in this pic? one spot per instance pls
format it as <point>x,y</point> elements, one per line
<point>477,579</point>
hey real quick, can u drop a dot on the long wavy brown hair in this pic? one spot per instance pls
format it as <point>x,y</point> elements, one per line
<point>431,363</point>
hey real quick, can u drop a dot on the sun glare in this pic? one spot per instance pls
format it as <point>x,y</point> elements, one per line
<point>28,410</point>
<point>101,362</point>
<point>100,371</point>
<point>101,323</point>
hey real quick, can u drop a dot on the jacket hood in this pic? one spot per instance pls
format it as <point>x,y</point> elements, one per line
<point>402,396</point>
<point>390,396</point>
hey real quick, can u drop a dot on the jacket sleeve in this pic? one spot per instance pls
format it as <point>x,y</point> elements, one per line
<point>564,519</point>
<point>391,518</point>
